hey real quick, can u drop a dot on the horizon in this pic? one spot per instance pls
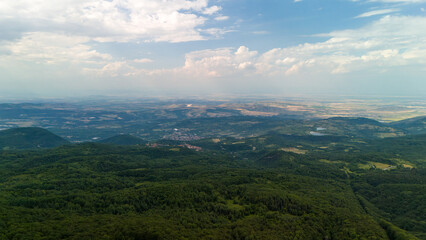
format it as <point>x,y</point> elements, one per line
<point>38,98</point>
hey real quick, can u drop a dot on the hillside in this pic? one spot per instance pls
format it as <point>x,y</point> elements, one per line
<point>92,191</point>
<point>99,191</point>
<point>273,186</point>
<point>124,139</point>
<point>357,127</point>
<point>415,125</point>
<point>28,138</point>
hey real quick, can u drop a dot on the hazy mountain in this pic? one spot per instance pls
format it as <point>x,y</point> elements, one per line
<point>415,125</point>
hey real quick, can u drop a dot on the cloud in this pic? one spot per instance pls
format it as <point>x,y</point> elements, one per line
<point>113,69</point>
<point>211,63</point>
<point>211,10</point>
<point>388,44</point>
<point>385,44</point>
<point>377,12</point>
<point>52,48</point>
<point>216,32</point>
<point>112,21</point>
<point>221,18</point>
<point>143,60</point>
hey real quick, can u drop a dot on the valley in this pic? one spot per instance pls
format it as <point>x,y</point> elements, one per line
<point>193,119</point>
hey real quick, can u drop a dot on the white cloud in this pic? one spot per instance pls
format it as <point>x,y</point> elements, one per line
<point>221,18</point>
<point>113,69</point>
<point>218,62</point>
<point>377,12</point>
<point>198,64</point>
<point>115,20</point>
<point>143,60</point>
<point>51,48</point>
<point>211,10</point>
<point>392,41</point>
<point>383,45</point>
<point>216,32</point>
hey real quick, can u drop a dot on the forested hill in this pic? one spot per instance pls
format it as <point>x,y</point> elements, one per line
<point>28,138</point>
<point>415,125</point>
<point>98,191</point>
<point>333,185</point>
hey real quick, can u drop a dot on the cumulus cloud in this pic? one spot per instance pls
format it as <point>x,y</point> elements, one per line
<point>388,42</point>
<point>392,41</point>
<point>36,32</point>
<point>115,20</point>
<point>112,69</point>
<point>219,62</point>
<point>385,44</point>
<point>51,48</point>
<point>209,63</point>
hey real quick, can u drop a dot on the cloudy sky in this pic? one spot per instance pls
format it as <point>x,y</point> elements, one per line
<point>195,47</point>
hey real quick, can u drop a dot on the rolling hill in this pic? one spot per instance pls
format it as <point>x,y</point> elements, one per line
<point>357,127</point>
<point>29,138</point>
<point>415,125</point>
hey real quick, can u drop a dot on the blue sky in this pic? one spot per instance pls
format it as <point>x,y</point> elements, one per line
<point>197,47</point>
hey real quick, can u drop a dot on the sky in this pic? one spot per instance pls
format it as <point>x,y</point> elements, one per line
<point>206,47</point>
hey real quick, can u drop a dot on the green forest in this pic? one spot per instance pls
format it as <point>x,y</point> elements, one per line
<point>255,189</point>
